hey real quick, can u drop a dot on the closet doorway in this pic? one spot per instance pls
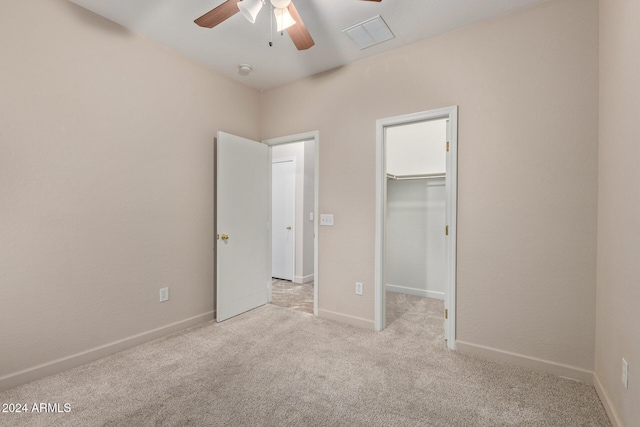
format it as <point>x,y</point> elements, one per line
<point>415,217</point>
<point>293,212</point>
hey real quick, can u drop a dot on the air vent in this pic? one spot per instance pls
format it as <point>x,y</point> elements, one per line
<point>369,32</point>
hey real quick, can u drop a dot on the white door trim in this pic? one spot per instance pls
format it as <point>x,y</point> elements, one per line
<point>451,114</point>
<point>306,136</point>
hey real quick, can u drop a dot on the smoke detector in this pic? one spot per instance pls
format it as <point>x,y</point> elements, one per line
<point>244,69</point>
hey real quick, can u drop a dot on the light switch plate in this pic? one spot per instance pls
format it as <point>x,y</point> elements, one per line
<point>164,294</point>
<point>326,219</point>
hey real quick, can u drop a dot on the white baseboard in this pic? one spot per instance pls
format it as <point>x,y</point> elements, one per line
<point>413,291</point>
<point>559,369</point>
<point>345,318</point>
<point>303,279</point>
<point>59,365</point>
<point>606,402</point>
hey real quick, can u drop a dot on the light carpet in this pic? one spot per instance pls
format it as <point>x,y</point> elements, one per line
<point>279,367</point>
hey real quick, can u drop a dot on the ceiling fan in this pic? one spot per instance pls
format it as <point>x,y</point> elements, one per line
<point>285,12</point>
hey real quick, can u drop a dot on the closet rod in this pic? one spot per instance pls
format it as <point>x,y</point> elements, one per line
<point>420,176</point>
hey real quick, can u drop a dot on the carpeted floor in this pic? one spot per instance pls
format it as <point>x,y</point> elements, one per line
<point>278,367</point>
<point>297,296</point>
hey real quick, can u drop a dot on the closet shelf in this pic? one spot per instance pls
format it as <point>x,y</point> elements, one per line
<point>419,176</point>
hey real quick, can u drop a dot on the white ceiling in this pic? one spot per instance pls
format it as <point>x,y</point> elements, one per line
<point>236,41</point>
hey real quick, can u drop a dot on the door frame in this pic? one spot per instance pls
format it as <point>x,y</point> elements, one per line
<point>305,136</point>
<point>451,115</point>
<point>295,181</point>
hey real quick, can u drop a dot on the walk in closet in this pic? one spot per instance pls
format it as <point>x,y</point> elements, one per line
<point>415,211</point>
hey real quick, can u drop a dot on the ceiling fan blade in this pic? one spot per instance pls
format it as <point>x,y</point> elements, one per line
<point>220,14</point>
<point>298,32</point>
<point>373,0</point>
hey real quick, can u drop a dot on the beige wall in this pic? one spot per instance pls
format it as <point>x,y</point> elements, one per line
<point>106,182</point>
<point>527,89</point>
<point>618,309</point>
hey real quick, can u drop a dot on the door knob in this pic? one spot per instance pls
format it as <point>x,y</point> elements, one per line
<point>224,237</point>
<point>289,228</point>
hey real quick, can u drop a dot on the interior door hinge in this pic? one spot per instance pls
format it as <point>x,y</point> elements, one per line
<point>446,230</point>
<point>447,146</point>
<point>446,313</point>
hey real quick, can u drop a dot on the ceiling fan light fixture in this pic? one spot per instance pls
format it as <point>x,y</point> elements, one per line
<point>250,9</point>
<point>284,19</point>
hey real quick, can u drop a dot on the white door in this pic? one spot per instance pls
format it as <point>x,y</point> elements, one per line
<point>283,205</point>
<point>242,225</point>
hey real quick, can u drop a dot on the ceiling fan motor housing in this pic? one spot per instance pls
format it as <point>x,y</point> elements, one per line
<point>279,4</point>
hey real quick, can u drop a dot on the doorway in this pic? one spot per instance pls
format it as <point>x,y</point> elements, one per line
<point>415,213</point>
<point>242,222</point>
<point>299,289</point>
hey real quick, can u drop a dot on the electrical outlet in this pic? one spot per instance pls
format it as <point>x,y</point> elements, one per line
<point>625,374</point>
<point>358,288</point>
<point>164,294</point>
